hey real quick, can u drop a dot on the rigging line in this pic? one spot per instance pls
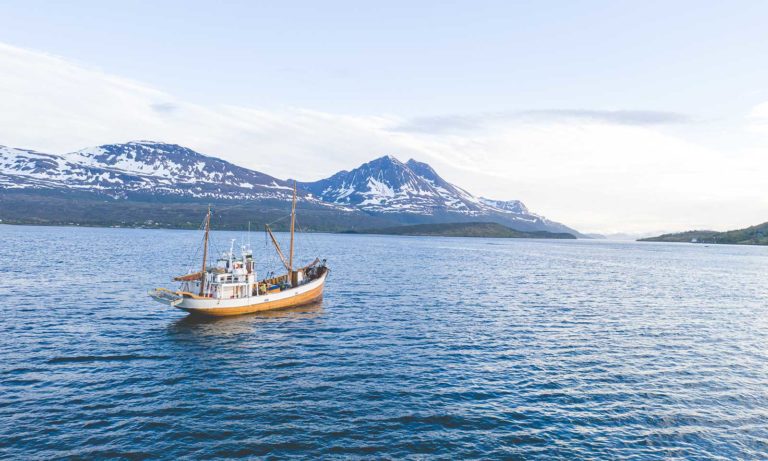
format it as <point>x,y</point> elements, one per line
<point>202,237</point>
<point>211,241</point>
<point>216,249</point>
<point>270,256</point>
<point>278,219</point>
<point>193,261</point>
<point>267,261</point>
<point>309,240</point>
<point>230,207</point>
<point>299,229</point>
<point>213,244</point>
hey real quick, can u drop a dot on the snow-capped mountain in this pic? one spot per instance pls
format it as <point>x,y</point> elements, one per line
<point>384,190</point>
<point>137,168</point>
<point>388,186</point>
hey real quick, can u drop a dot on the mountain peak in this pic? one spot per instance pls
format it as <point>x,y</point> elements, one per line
<point>146,144</point>
<point>386,185</point>
<point>385,159</point>
<point>151,143</point>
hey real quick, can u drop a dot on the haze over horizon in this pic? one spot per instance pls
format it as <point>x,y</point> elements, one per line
<point>636,117</point>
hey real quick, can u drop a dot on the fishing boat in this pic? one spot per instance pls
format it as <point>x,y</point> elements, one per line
<point>231,286</point>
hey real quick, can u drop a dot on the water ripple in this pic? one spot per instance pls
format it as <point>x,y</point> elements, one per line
<point>422,348</point>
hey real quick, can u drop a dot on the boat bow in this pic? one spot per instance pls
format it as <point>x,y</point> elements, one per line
<point>166,296</point>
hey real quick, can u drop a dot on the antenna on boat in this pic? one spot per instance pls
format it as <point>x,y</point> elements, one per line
<point>205,249</point>
<point>293,223</point>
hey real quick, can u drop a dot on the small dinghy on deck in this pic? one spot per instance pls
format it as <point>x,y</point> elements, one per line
<point>231,287</point>
<point>165,296</point>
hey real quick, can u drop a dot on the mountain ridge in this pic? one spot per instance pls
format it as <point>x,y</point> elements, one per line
<point>137,167</point>
<point>383,190</point>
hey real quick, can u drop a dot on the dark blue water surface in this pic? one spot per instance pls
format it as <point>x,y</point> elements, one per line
<point>422,348</point>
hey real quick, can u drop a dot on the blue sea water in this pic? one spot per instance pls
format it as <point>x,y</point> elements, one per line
<point>423,348</point>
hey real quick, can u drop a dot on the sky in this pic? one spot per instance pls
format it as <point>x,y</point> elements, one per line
<point>633,116</point>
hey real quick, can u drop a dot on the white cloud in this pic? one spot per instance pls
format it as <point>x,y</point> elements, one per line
<point>453,123</point>
<point>595,170</point>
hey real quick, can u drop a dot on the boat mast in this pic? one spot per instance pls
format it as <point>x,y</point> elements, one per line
<point>205,250</point>
<point>293,222</point>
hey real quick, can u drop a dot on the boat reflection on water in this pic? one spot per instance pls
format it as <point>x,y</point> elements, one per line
<point>243,324</point>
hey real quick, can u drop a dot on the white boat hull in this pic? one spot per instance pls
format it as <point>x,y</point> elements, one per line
<point>292,297</point>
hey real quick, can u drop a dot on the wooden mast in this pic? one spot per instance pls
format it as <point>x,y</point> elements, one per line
<point>293,222</point>
<point>205,250</point>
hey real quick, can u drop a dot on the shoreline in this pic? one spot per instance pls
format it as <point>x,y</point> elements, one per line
<point>642,241</point>
<point>351,233</point>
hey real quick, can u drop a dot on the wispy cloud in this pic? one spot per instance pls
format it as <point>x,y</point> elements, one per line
<point>621,117</point>
<point>447,123</point>
<point>164,107</point>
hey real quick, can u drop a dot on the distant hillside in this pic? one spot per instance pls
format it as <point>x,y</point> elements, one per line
<point>468,229</point>
<point>51,208</point>
<point>755,235</point>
